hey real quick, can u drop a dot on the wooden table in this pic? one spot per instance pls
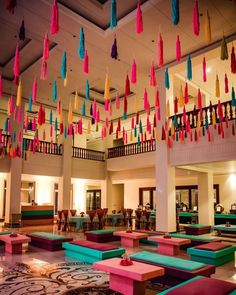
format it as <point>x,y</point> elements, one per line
<point>168,246</point>
<point>128,280</point>
<point>130,240</point>
<point>13,245</point>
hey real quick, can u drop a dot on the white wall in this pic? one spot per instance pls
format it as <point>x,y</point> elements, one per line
<point>3,177</point>
<point>117,197</point>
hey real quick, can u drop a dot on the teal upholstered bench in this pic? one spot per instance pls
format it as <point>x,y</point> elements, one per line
<point>213,253</point>
<point>90,252</point>
<point>177,270</point>
<point>195,240</point>
<point>101,236</point>
<point>150,233</point>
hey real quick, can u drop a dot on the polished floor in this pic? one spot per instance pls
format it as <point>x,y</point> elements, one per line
<point>36,261</point>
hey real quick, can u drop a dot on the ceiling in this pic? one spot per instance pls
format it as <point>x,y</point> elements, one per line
<point>93,15</point>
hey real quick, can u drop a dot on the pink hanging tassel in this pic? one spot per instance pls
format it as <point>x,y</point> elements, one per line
<point>220,112</point>
<point>54,19</point>
<point>106,122</point>
<point>139,19</point>
<point>110,109</point>
<point>159,114</point>
<point>34,91</point>
<point>45,47</point>
<point>8,126</point>
<point>145,100</point>
<point>117,102</point>
<point>153,81</point>
<point>159,51</point>
<point>86,62</point>
<point>43,73</point>
<point>16,67</point>
<point>98,116</point>
<point>178,49</point>
<point>226,84</point>
<point>134,73</point>
<point>204,76</point>
<point>94,108</point>
<point>106,105</point>
<point>51,130</point>
<point>196,23</point>
<point>19,137</point>
<point>184,116</point>
<point>19,115</point>
<point>199,100</point>
<point>11,104</point>
<point>26,122</point>
<point>157,99</point>
<point>0,84</point>
<point>132,123</point>
<point>176,105</point>
<point>233,61</point>
<point>186,93</point>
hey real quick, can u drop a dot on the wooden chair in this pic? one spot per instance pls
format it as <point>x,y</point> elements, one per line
<point>138,214</point>
<point>59,221</point>
<point>65,214</point>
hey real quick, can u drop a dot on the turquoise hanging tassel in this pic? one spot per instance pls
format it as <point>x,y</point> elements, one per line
<point>113,20</point>
<point>167,81</point>
<point>176,136</point>
<point>54,91</point>
<point>83,109</point>
<point>87,90</point>
<point>30,104</point>
<point>55,125</point>
<point>24,145</point>
<point>14,136</point>
<point>135,131</point>
<point>6,125</point>
<point>175,11</point>
<point>50,118</point>
<point>65,132</point>
<point>175,122</point>
<point>139,142</point>
<point>206,122</point>
<point>233,98</point>
<point>189,68</point>
<point>140,127</point>
<point>81,44</point>
<point>63,66</point>
<point>125,116</point>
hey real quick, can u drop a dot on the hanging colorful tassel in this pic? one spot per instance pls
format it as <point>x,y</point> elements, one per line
<point>168,109</point>
<point>233,98</point>
<point>30,104</point>
<point>43,73</point>
<point>107,88</point>
<point>76,102</point>
<point>176,105</point>
<point>134,73</point>
<point>16,67</point>
<point>233,61</point>
<point>186,93</point>
<point>87,88</point>
<point>207,27</point>
<point>81,50</point>
<point>178,49</point>
<point>160,51</point>
<point>86,62</point>
<point>181,97</point>
<point>226,84</point>
<point>11,109</point>
<point>189,68</point>
<point>22,31</point>
<point>45,47</point>
<point>34,91</point>
<point>145,100</point>
<point>70,114</point>
<point>175,11</point>
<point>54,28</point>
<point>139,19</point>
<point>217,86</point>
<point>50,117</point>
<point>196,23</point>
<point>114,51</point>
<point>127,86</point>
<point>125,108</point>
<point>152,81</point>
<point>113,20</point>
<point>83,109</point>
<point>199,100</point>
<point>224,49</point>
<point>63,66</point>
<point>10,5</point>
<point>117,101</point>
<point>204,76</point>
<point>19,95</point>
<point>54,91</point>
<point>167,81</point>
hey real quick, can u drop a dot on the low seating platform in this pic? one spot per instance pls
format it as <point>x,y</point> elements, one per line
<point>216,253</point>
<point>195,240</point>
<point>197,229</point>
<point>50,242</point>
<point>101,236</point>
<point>177,270</point>
<point>90,252</point>
<point>150,233</point>
<point>223,229</point>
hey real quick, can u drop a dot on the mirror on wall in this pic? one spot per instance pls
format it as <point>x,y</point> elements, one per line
<point>27,192</point>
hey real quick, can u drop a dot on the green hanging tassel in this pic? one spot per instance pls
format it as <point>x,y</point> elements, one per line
<point>55,125</point>
<point>175,11</point>
<point>6,125</point>
<point>50,118</point>
<point>65,132</point>
<point>83,109</point>
<point>87,95</point>
<point>233,98</point>
<point>81,50</point>
<point>175,122</point>
<point>189,68</point>
<point>54,91</point>
<point>206,122</point>
<point>167,81</point>
<point>203,131</point>
<point>113,20</point>
<point>224,49</point>
<point>176,136</point>
<point>139,142</point>
<point>30,104</point>
<point>125,116</point>
<point>63,66</point>
<point>96,127</point>
<point>140,127</point>
<point>14,136</point>
<point>135,131</point>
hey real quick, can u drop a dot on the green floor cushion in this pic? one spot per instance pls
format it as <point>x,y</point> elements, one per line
<point>211,254</point>
<point>197,225</point>
<point>48,236</point>
<point>102,231</point>
<point>193,238</point>
<point>5,232</point>
<point>168,261</point>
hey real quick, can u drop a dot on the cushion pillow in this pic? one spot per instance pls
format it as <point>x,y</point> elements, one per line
<point>101,231</point>
<point>94,245</point>
<point>214,246</point>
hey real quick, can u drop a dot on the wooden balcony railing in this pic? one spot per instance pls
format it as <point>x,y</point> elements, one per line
<point>44,147</point>
<point>88,154</point>
<point>132,149</point>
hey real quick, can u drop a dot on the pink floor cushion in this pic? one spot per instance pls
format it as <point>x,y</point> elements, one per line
<point>204,286</point>
<point>94,245</point>
<point>214,246</point>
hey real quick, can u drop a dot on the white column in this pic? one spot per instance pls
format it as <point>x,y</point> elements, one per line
<point>2,179</point>
<point>165,174</point>
<point>205,198</point>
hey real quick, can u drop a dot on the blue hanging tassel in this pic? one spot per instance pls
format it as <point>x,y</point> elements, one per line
<point>63,66</point>
<point>30,104</point>
<point>175,122</point>
<point>87,90</point>
<point>233,98</point>
<point>55,125</point>
<point>50,118</point>
<point>113,20</point>
<point>6,125</point>
<point>206,121</point>
<point>167,81</point>
<point>124,116</point>
<point>189,68</point>
<point>175,11</point>
<point>114,52</point>
<point>83,109</point>
<point>65,132</point>
<point>22,31</point>
<point>140,127</point>
<point>81,44</point>
<point>139,142</point>
<point>54,91</point>
<point>24,145</point>
<point>14,136</point>
<point>135,131</point>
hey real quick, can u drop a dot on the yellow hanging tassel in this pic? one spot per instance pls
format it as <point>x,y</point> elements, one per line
<point>89,128</point>
<point>60,116</point>
<point>131,136</point>
<point>19,94</point>
<point>167,109</point>
<point>8,148</point>
<point>135,104</point>
<point>198,122</point>
<point>70,114</point>
<point>158,135</point>
<point>217,86</point>
<point>207,27</point>
<point>181,97</point>
<point>172,130</point>
<point>66,80</point>
<point>76,104</point>
<point>213,118</point>
<point>107,88</point>
<point>8,108</point>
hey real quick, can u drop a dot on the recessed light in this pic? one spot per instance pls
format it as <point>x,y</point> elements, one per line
<point>208,70</point>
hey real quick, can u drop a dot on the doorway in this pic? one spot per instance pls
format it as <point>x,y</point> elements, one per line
<point>147,196</point>
<point>93,199</point>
